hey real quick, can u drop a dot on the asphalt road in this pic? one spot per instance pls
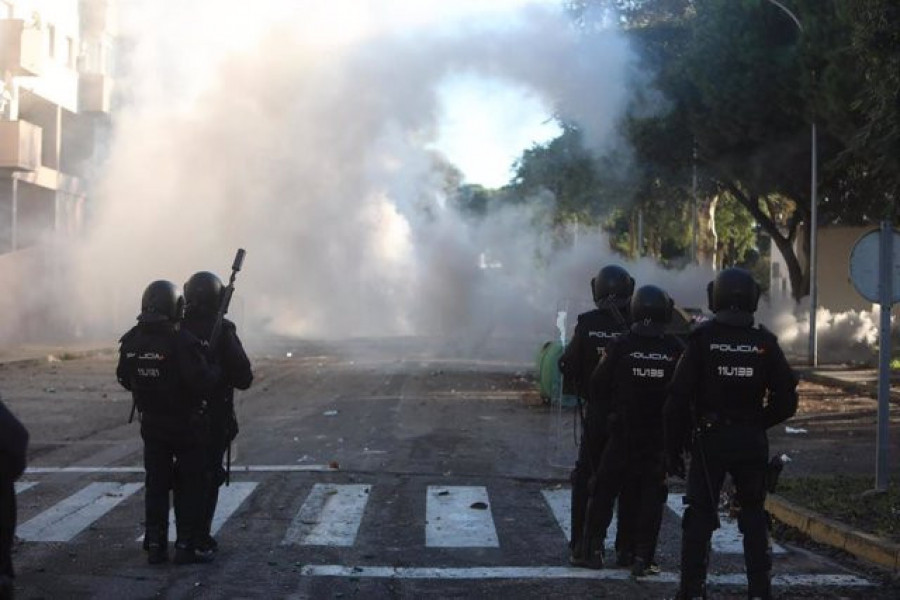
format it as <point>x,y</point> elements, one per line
<point>370,469</point>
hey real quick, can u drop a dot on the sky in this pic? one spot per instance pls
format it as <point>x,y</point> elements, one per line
<point>485,125</point>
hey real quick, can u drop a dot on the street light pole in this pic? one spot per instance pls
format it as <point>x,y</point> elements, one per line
<point>813,351</point>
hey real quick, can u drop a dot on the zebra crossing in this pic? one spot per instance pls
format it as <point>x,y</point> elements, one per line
<point>331,515</point>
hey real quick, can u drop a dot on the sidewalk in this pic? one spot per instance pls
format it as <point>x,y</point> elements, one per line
<point>822,529</point>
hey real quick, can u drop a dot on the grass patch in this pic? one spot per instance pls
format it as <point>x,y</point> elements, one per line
<point>843,498</point>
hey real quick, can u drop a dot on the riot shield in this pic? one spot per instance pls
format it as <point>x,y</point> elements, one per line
<point>564,428</point>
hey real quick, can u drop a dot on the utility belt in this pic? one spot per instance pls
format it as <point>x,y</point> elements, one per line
<point>711,421</point>
<point>171,408</point>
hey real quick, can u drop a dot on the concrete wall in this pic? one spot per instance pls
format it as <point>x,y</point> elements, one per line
<point>836,292</point>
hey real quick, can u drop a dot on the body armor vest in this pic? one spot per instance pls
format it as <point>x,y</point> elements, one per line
<point>734,375</point>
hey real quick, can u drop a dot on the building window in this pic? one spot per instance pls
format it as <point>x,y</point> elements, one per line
<point>51,41</point>
<point>70,52</point>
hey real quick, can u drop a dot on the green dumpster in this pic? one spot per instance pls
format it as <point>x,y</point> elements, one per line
<point>549,377</point>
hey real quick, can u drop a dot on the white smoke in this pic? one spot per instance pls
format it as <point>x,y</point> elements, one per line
<point>848,337</point>
<point>308,145</point>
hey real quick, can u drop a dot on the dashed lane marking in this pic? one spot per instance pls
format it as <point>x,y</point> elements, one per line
<point>459,517</point>
<point>330,516</point>
<point>68,518</point>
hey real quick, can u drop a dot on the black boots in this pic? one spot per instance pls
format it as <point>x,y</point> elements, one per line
<point>157,552</point>
<point>691,592</point>
<point>208,543</point>
<point>156,543</point>
<point>624,558</point>
<point>186,554</point>
<point>590,557</point>
<point>644,568</point>
<point>759,586</point>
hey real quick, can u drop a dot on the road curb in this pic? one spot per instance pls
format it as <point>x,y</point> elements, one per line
<point>835,534</point>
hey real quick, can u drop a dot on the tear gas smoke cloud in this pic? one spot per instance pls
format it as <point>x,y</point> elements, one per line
<point>312,154</point>
<point>841,336</point>
<point>303,135</point>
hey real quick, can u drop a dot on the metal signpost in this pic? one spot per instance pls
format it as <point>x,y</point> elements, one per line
<point>875,273</point>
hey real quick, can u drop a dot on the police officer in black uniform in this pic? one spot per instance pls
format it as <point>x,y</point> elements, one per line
<point>611,290</point>
<point>629,386</point>
<point>165,368</point>
<point>13,446</point>
<point>202,295</point>
<point>731,384</point>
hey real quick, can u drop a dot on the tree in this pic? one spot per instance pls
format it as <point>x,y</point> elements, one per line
<point>584,188</point>
<point>873,153</point>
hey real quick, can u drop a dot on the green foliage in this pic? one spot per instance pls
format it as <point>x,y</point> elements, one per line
<point>744,86</point>
<point>584,188</point>
<point>874,45</point>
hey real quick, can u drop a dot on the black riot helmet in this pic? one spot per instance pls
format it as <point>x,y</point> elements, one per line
<point>161,302</point>
<point>612,285</point>
<point>733,289</point>
<point>202,292</point>
<point>651,304</point>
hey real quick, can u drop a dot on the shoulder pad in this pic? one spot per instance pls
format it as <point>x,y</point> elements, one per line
<point>128,335</point>
<point>700,328</point>
<point>768,332</point>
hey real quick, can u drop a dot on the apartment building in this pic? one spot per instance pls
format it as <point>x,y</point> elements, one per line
<point>55,95</point>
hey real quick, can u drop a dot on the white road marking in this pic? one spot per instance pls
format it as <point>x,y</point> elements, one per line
<point>560,501</point>
<point>230,499</point>
<point>234,469</point>
<point>452,522</point>
<point>68,518</point>
<point>805,579</point>
<point>726,539</point>
<point>330,516</point>
<point>21,486</point>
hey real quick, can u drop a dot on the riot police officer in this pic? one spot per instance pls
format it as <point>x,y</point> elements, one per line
<point>611,290</point>
<point>13,446</point>
<point>731,384</point>
<point>165,368</point>
<point>629,385</point>
<point>202,295</point>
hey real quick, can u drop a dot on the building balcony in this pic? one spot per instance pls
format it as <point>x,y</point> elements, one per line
<point>21,48</point>
<point>94,93</point>
<point>98,17</point>
<point>20,146</point>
